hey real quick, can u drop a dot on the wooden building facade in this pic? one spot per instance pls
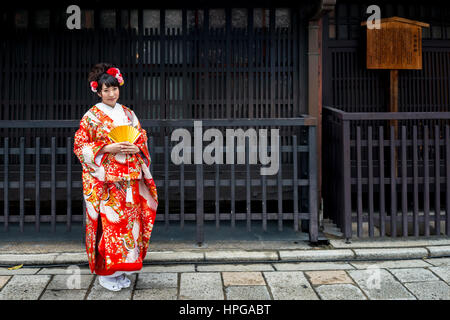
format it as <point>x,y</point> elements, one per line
<point>295,66</point>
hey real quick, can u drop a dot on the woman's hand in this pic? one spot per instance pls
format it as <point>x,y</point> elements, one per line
<point>129,148</point>
<point>113,148</point>
<point>120,147</point>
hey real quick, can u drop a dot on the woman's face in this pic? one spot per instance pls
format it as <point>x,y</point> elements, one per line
<point>109,95</point>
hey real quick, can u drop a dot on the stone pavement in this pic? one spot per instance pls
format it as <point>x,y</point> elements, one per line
<point>422,279</point>
<point>250,270</point>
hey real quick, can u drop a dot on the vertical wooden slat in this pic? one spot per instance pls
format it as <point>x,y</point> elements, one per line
<point>200,197</point>
<point>279,189</point>
<point>370,168</point>
<point>295,181</point>
<point>166,181</point>
<point>217,194</point>
<point>248,184</point>
<point>7,67</point>
<point>83,202</point>
<point>298,47</point>
<point>393,183</point>
<point>53,184</point>
<point>233,190</point>
<point>267,71</point>
<point>6,183</point>
<point>69,182</point>
<point>346,187</point>
<point>22,183</point>
<point>185,64</point>
<point>437,169</point>
<point>404,185</point>
<point>278,96</point>
<point>228,60</point>
<point>260,74</point>
<point>151,153</point>
<point>313,205</point>
<point>415,184</point>
<point>264,202</point>
<point>359,181</point>
<point>38,183</point>
<point>239,86</point>
<point>447,169</point>
<point>182,195</point>
<point>382,190</point>
<point>139,64</point>
<point>251,61</point>
<point>426,163</point>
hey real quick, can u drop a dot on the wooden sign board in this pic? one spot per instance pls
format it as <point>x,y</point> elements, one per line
<point>396,45</point>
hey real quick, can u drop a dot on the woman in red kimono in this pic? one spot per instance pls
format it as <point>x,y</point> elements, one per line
<point>119,190</point>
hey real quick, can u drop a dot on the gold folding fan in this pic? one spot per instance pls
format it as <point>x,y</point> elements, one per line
<point>124,133</point>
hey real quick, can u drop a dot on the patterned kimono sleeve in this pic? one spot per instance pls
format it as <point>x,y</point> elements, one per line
<point>86,149</point>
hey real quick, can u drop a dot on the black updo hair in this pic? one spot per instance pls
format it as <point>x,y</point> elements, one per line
<point>98,73</point>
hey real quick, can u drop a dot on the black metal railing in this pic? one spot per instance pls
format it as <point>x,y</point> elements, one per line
<point>387,174</point>
<point>41,176</point>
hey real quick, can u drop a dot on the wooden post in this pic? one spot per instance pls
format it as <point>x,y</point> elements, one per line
<point>393,102</point>
<point>396,45</point>
<point>393,107</point>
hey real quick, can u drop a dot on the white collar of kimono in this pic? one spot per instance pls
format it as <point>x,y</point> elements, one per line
<point>116,113</point>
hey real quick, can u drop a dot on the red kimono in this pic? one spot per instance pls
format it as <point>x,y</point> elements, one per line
<point>118,241</point>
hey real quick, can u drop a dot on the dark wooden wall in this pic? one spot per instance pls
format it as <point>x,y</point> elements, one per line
<point>192,71</point>
<point>349,86</point>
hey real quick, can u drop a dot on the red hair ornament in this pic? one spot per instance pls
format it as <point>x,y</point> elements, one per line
<point>94,86</point>
<point>116,74</point>
<point>113,72</point>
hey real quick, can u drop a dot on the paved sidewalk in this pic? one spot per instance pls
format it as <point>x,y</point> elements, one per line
<point>422,279</point>
<point>252,270</point>
<point>64,253</point>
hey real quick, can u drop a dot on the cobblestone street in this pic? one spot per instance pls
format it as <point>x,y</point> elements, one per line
<point>422,279</point>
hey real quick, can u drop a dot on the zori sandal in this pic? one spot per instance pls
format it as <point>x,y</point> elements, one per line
<point>123,281</point>
<point>109,283</point>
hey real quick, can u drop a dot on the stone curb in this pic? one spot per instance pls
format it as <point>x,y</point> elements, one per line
<point>242,256</point>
